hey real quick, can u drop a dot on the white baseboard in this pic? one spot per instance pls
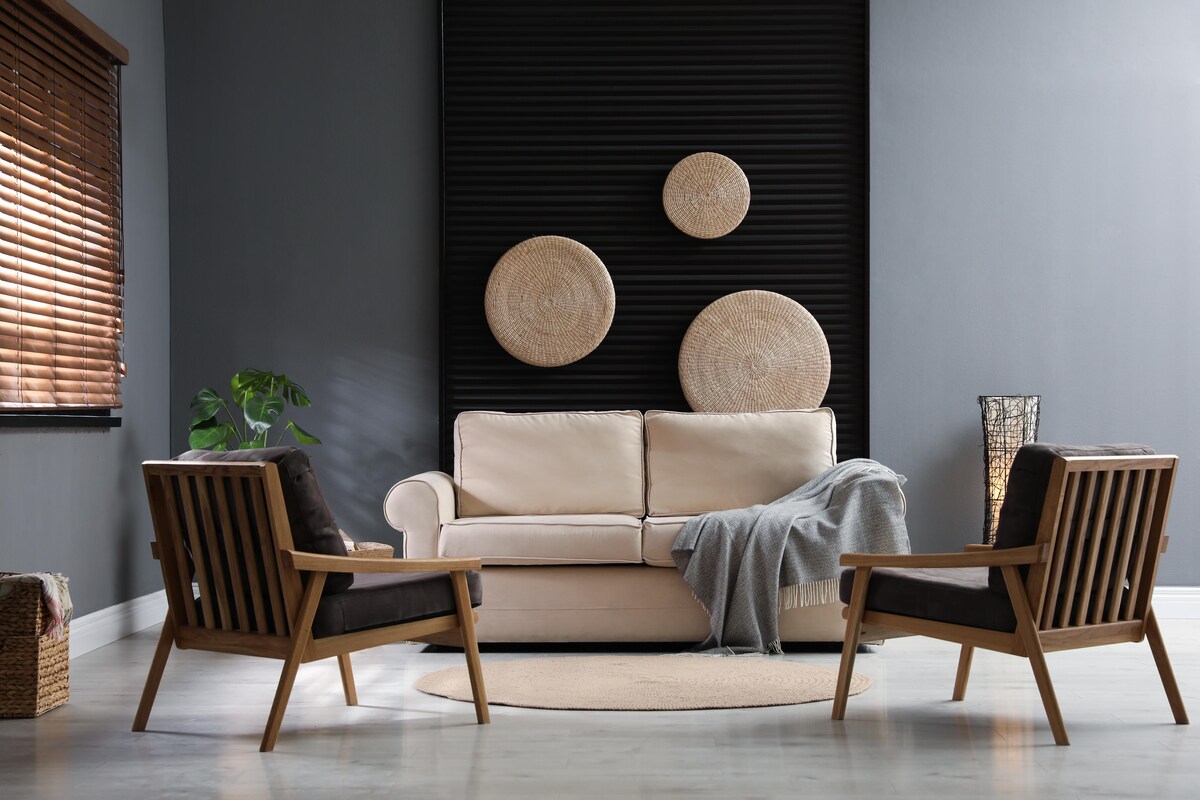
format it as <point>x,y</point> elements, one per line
<point>116,622</point>
<point>1177,602</point>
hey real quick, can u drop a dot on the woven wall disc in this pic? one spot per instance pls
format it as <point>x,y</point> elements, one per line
<point>754,351</point>
<point>549,301</point>
<point>706,195</point>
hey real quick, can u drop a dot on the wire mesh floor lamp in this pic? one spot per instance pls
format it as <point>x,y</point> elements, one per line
<point>1009,421</point>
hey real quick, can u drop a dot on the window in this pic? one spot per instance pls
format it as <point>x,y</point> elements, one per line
<point>61,273</point>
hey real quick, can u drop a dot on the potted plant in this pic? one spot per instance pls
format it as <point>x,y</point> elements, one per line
<point>261,397</point>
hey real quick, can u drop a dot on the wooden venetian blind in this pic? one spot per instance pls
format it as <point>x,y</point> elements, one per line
<point>61,276</point>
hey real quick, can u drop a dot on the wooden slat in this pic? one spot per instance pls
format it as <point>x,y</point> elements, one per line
<point>1061,539</point>
<point>216,558</point>
<point>281,531</point>
<point>266,544</point>
<point>1077,536</point>
<point>251,549</point>
<point>237,567</point>
<point>1137,499</point>
<point>977,637</point>
<point>1156,544</point>
<point>1099,516</point>
<point>1141,544</point>
<point>236,642</point>
<point>177,577</point>
<point>1090,635</point>
<point>196,548</point>
<point>1104,574</point>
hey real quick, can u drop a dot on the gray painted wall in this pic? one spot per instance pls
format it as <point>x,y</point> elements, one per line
<point>304,225</point>
<point>1035,228</point>
<point>72,501</point>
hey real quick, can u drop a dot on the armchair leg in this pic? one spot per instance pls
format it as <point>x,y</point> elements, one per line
<point>466,623</point>
<point>347,679</point>
<point>1027,630</point>
<point>964,672</point>
<point>301,636</point>
<point>858,604</point>
<point>165,640</point>
<point>1154,637</point>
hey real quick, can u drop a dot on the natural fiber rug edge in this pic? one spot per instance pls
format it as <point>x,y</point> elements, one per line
<point>643,683</point>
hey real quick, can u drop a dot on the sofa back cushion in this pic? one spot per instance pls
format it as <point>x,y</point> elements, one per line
<point>572,462</point>
<point>698,462</point>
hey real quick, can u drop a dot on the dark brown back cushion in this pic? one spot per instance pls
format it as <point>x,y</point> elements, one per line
<point>1026,491</point>
<point>314,530</point>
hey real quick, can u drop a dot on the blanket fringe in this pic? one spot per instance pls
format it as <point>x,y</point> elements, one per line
<point>800,595</point>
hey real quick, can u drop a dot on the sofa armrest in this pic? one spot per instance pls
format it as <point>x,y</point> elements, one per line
<point>418,506</point>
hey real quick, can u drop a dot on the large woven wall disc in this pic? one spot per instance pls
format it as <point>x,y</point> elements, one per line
<point>706,195</point>
<point>754,351</point>
<point>549,301</point>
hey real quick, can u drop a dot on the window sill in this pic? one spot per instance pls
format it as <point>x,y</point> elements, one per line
<point>57,420</point>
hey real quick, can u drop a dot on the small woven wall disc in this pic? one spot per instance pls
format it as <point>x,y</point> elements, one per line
<point>549,301</point>
<point>754,351</point>
<point>706,195</point>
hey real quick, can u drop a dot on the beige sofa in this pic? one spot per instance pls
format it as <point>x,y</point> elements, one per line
<point>574,514</point>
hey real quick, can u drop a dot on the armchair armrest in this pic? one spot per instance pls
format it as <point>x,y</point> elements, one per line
<point>313,562</point>
<point>981,558</point>
<point>418,506</point>
<point>978,548</point>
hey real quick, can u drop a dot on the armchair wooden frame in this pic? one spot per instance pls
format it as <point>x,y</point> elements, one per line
<point>231,518</point>
<point>1091,572</point>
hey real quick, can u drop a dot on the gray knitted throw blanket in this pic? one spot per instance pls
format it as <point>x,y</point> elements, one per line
<point>748,564</point>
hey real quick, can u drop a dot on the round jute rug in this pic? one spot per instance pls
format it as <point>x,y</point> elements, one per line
<point>644,683</point>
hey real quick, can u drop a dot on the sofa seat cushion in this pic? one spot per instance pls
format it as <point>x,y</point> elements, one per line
<point>959,595</point>
<point>545,539</point>
<point>658,537</point>
<point>376,600</point>
<point>571,462</point>
<point>698,462</point>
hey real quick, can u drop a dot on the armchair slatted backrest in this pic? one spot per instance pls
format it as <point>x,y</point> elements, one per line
<point>1104,520</point>
<point>221,526</point>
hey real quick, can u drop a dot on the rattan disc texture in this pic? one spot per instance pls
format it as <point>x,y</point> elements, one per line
<point>706,195</point>
<point>549,301</point>
<point>644,683</point>
<point>754,351</point>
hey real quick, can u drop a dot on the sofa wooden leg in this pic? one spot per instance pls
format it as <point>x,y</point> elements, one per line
<point>1159,649</point>
<point>466,625</point>
<point>347,679</point>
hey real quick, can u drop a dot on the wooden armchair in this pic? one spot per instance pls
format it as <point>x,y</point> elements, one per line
<point>1074,564</point>
<point>259,542</point>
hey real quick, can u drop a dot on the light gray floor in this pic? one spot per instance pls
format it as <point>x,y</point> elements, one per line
<point>903,737</point>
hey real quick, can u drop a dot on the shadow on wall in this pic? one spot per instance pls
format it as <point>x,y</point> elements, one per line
<point>374,435</point>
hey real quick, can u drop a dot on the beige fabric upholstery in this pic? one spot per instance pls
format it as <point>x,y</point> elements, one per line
<point>418,506</point>
<point>578,462</point>
<point>616,604</point>
<point>712,462</point>
<point>658,534</point>
<point>554,539</point>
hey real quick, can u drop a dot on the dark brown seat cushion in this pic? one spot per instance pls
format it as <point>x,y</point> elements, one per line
<point>1026,491</point>
<point>314,529</point>
<point>376,600</point>
<point>960,596</point>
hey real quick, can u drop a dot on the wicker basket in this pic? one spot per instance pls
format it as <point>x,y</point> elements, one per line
<point>371,550</point>
<point>35,671</point>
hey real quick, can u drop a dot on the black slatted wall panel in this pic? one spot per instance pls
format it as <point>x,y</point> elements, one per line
<point>565,116</point>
